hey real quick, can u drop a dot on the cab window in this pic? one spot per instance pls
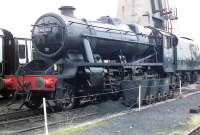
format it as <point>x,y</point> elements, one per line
<point>22,50</point>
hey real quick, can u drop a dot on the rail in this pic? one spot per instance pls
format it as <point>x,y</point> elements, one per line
<point>18,114</point>
<point>195,131</point>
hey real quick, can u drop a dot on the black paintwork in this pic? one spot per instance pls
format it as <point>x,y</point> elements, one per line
<point>10,54</point>
<point>96,57</point>
<point>188,55</point>
<point>55,35</point>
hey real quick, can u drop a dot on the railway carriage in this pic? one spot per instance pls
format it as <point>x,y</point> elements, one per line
<point>14,52</point>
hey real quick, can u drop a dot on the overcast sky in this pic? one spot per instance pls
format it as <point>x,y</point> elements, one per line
<point>18,15</point>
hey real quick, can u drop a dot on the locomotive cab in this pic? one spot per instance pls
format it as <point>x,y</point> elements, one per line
<point>169,53</point>
<point>166,49</point>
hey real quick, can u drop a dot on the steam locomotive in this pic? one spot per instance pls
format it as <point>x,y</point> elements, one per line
<point>80,58</point>
<point>14,52</point>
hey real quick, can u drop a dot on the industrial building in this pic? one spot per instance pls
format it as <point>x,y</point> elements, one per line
<point>155,13</point>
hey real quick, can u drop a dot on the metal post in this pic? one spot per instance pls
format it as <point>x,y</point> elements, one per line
<point>139,97</point>
<point>45,116</point>
<point>180,88</point>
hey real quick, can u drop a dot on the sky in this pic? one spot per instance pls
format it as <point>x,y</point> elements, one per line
<point>188,23</point>
<point>18,15</point>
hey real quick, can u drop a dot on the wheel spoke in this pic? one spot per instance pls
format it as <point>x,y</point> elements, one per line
<point>68,100</point>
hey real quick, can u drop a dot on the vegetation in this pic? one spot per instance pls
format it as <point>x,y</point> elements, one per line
<point>72,130</point>
<point>185,127</point>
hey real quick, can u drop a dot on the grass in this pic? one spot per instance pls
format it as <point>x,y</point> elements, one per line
<point>88,125</point>
<point>80,128</point>
<point>185,127</point>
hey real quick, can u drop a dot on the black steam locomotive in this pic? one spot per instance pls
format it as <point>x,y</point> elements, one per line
<point>14,52</point>
<point>78,58</point>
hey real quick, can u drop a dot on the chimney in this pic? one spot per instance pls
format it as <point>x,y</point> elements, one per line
<point>67,10</point>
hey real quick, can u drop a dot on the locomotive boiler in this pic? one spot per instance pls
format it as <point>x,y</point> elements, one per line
<point>55,35</point>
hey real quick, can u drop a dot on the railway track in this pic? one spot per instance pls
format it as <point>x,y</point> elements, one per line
<point>18,114</point>
<point>37,122</point>
<point>72,119</point>
<point>50,124</point>
<point>17,120</point>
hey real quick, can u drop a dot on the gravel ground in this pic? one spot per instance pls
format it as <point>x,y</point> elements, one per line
<point>160,119</point>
